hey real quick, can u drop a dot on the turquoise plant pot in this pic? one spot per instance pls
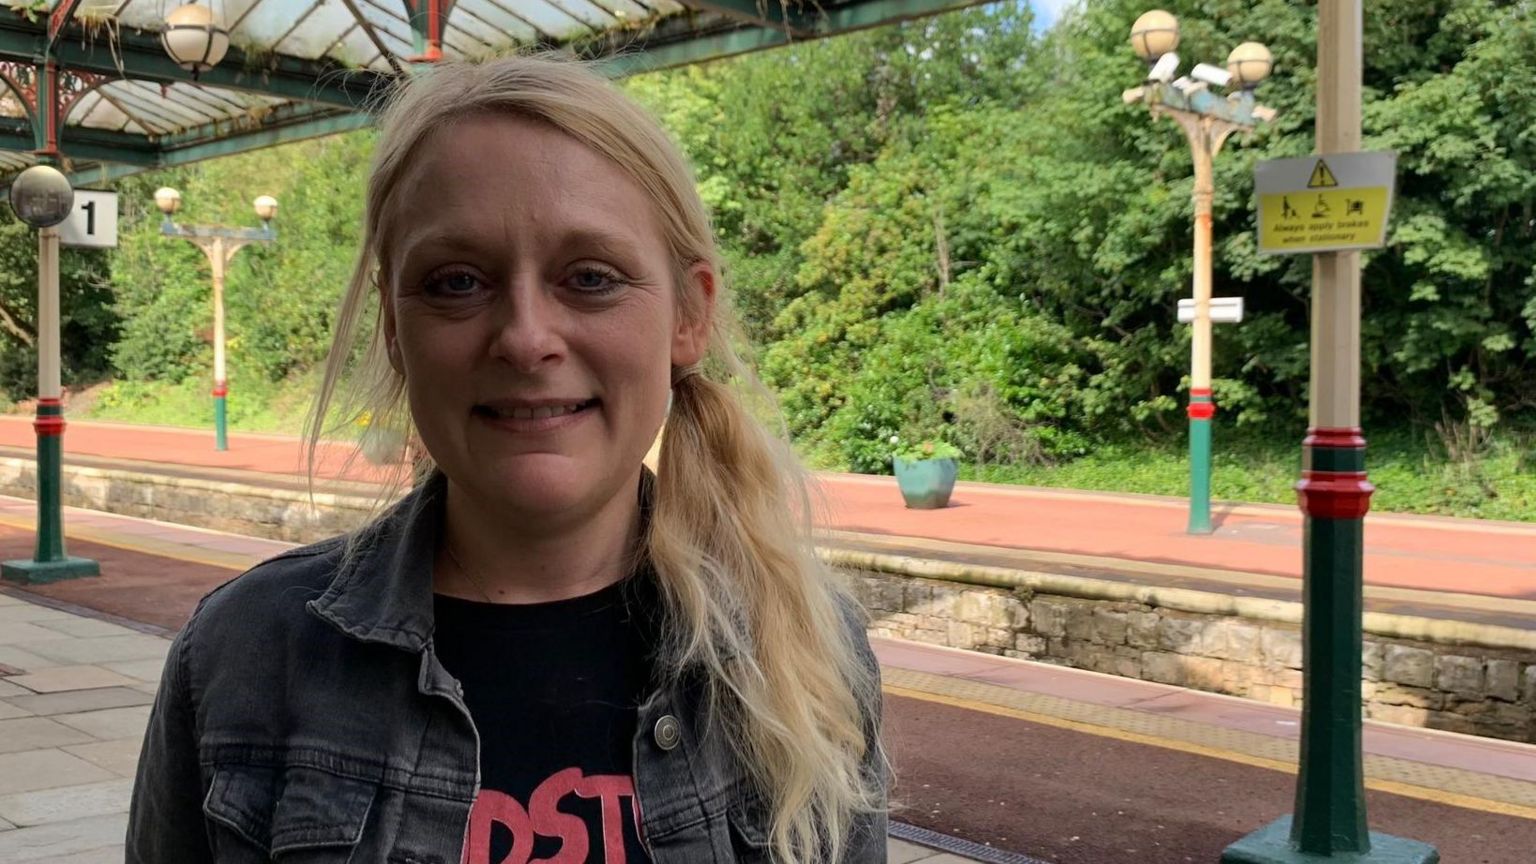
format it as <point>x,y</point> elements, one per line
<point>927,483</point>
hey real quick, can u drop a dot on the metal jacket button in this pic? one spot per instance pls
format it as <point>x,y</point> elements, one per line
<point>668,732</point>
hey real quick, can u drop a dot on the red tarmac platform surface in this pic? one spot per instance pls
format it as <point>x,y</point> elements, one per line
<point>1421,552</point>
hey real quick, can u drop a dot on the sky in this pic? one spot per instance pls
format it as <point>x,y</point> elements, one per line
<point>1047,11</point>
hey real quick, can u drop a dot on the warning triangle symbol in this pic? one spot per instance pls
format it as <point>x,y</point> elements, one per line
<point>1321,176</point>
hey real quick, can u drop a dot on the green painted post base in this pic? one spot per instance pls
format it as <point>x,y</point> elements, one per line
<point>220,427</point>
<point>49,562</point>
<point>42,572</point>
<point>1272,845</point>
<point>1201,410</point>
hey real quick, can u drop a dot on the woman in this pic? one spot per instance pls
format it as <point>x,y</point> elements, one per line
<point>542,652</point>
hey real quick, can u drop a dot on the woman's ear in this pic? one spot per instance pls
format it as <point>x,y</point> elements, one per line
<point>690,336</point>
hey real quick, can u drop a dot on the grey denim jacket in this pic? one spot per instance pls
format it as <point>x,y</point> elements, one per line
<point>304,716</point>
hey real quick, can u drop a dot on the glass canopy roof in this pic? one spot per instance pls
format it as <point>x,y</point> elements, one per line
<point>301,68</point>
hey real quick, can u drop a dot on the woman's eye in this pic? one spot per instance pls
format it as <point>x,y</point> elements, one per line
<point>593,280</point>
<point>453,284</point>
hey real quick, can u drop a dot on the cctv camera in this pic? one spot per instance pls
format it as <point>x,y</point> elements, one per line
<point>1212,75</point>
<point>1164,68</point>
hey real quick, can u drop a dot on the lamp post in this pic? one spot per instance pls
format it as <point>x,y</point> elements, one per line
<point>1207,119</point>
<point>42,198</point>
<point>1329,819</point>
<point>220,245</point>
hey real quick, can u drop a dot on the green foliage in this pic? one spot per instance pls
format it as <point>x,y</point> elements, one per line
<point>954,230</point>
<point>918,451</point>
<point>87,323</point>
<point>279,297</point>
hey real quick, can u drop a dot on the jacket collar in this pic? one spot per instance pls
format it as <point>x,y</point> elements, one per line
<point>382,590</point>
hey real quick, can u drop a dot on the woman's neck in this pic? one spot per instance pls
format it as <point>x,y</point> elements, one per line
<point>481,559</point>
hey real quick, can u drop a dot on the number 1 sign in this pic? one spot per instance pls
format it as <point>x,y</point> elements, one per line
<point>93,222</point>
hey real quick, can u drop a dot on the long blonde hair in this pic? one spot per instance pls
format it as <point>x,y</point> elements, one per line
<point>747,600</point>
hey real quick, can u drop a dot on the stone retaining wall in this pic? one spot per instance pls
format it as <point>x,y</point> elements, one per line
<point>1447,684</point>
<point>239,508</point>
<point>1460,688</point>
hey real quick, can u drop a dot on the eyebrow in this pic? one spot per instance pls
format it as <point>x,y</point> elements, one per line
<point>605,241</point>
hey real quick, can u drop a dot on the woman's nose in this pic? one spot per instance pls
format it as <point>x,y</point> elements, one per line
<point>528,327</point>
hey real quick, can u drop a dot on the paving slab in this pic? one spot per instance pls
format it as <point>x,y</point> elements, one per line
<point>29,612</point>
<point>5,826</point>
<point>902,852</point>
<point>45,769</point>
<point>50,842</point>
<point>36,733</point>
<point>60,678</point>
<point>41,807</point>
<point>74,701</point>
<point>105,855</point>
<point>7,600</point>
<point>98,649</point>
<point>72,625</point>
<point>9,711</point>
<point>12,632</point>
<point>120,756</point>
<point>8,689</point>
<point>17,658</point>
<point>110,723</point>
<point>148,671</point>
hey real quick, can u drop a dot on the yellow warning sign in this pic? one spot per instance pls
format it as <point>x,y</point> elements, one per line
<point>1311,204</point>
<point>1321,177</point>
<point>1322,220</point>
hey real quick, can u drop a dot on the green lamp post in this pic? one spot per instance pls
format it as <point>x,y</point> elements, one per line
<point>220,245</point>
<point>1207,120</point>
<point>1329,820</point>
<point>43,198</point>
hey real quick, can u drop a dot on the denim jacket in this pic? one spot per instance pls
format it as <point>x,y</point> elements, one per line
<point>304,716</point>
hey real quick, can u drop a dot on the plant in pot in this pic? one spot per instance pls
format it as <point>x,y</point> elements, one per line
<point>925,472</point>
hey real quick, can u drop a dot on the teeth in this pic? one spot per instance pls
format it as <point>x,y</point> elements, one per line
<point>536,413</point>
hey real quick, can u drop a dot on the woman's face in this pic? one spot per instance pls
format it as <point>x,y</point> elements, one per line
<point>530,300</point>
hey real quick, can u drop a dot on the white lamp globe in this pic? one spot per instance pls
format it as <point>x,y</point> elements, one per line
<point>195,38</point>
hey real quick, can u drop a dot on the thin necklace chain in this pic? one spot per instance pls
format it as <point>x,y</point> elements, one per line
<point>465,570</point>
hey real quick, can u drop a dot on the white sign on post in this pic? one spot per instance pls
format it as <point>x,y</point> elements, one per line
<point>1224,310</point>
<point>93,222</point>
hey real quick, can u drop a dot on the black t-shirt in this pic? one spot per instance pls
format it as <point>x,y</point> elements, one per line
<point>553,689</point>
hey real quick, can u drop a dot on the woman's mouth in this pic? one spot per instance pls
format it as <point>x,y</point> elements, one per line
<point>539,418</point>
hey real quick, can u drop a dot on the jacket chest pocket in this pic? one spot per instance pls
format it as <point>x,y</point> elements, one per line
<point>294,815</point>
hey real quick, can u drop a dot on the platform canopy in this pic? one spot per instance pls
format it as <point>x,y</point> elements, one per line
<point>87,83</point>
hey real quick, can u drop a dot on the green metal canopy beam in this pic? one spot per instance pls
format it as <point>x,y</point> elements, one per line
<point>731,43</point>
<point>139,56</point>
<point>85,144</point>
<point>769,14</point>
<point>329,96</point>
<point>209,146</point>
<point>268,137</point>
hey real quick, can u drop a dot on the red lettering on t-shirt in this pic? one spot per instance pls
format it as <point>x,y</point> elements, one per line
<point>544,818</point>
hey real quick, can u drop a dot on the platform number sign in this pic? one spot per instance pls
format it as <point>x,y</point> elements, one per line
<point>93,223</point>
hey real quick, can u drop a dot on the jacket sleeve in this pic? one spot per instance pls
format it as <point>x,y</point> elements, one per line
<point>165,815</point>
<point>867,841</point>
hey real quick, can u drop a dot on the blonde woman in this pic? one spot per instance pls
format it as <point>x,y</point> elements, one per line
<point>543,652</point>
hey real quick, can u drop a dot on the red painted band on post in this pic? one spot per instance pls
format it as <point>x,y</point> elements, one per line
<point>220,391</point>
<point>1199,391</point>
<point>48,425</point>
<point>1334,494</point>
<point>1343,437</point>
<point>1202,410</point>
